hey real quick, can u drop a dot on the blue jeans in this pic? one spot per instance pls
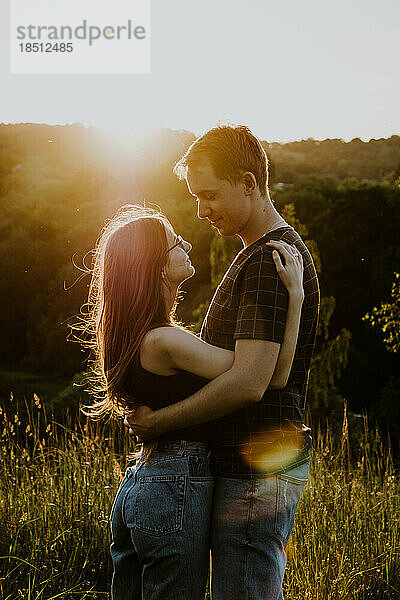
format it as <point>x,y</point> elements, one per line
<point>160,524</point>
<point>251,525</point>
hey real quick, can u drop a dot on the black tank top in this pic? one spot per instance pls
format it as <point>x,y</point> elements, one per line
<point>158,391</point>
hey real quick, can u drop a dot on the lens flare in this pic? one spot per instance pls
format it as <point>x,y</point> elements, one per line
<point>273,450</point>
<point>267,452</point>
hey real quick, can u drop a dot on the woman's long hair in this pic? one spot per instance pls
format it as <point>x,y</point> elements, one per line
<point>126,299</point>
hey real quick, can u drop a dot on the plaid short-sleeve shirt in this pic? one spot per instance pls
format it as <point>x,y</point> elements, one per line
<point>251,302</point>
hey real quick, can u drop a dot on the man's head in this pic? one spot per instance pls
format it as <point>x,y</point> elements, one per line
<point>226,168</point>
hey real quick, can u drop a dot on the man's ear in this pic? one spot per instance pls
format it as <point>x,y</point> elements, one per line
<point>249,182</point>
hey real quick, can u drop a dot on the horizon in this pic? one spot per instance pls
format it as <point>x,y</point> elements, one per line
<point>143,133</point>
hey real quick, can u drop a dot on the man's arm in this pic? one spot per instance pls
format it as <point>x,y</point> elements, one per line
<point>243,385</point>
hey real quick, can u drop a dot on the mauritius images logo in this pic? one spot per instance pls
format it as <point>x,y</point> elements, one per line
<point>85,36</point>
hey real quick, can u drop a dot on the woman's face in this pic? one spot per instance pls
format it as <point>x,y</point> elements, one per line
<point>178,266</point>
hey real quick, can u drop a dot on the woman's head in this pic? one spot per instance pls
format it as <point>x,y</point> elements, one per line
<point>138,266</point>
<point>178,266</point>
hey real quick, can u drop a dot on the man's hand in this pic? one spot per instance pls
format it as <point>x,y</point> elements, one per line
<point>142,423</point>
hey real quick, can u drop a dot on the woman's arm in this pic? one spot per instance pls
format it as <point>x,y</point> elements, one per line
<point>168,349</point>
<point>288,347</point>
<point>292,277</point>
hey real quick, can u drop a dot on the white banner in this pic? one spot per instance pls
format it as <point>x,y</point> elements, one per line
<point>80,36</point>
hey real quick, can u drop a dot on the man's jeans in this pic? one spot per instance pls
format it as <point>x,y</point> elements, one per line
<point>160,524</point>
<point>251,524</point>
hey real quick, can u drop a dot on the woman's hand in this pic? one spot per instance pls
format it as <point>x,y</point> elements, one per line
<point>141,422</point>
<point>291,274</point>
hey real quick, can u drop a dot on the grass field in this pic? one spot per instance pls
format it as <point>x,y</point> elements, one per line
<point>58,482</point>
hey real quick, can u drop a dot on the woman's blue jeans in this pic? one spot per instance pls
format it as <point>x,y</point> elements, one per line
<point>160,524</point>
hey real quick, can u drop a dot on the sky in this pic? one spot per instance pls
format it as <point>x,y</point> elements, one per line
<point>289,69</point>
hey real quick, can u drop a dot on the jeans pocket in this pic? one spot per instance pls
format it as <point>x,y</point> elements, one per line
<point>159,504</point>
<point>290,486</point>
<point>200,467</point>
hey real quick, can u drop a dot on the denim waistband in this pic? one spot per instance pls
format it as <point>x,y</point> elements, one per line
<point>183,446</point>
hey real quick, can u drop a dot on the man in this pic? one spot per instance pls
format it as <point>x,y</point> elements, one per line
<point>261,447</point>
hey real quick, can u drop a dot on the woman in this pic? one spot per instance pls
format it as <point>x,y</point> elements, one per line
<point>161,513</point>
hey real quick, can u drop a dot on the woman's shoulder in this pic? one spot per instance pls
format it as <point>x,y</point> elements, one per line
<point>163,333</point>
<point>155,347</point>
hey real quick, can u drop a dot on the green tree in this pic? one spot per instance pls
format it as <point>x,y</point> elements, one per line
<point>329,360</point>
<point>387,317</point>
<point>222,252</point>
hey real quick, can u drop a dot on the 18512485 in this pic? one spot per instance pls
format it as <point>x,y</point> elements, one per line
<point>46,47</point>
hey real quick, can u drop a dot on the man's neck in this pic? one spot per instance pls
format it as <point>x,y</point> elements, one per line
<point>264,218</point>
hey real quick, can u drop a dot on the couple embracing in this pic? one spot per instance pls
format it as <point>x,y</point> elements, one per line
<point>225,452</point>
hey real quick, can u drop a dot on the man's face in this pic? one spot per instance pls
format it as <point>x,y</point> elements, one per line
<point>224,204</point>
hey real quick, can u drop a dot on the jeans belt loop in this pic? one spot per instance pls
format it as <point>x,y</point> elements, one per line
<point>183,447</point>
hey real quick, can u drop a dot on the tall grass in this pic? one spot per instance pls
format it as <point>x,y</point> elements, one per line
<point>346,541</point>
<point>56,490</point>
<point>58,482</point>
